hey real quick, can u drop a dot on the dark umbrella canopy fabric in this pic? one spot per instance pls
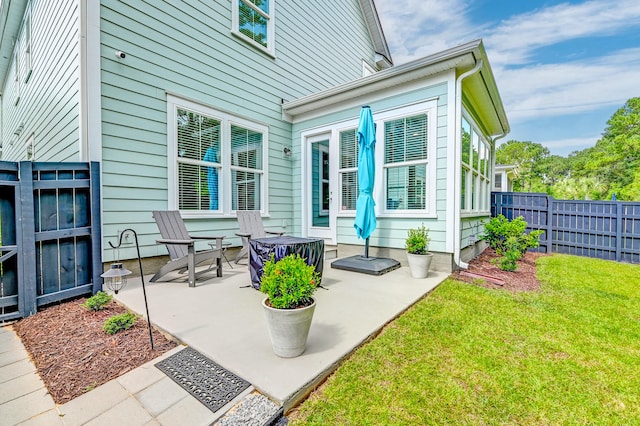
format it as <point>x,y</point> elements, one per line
<point>365,222</point>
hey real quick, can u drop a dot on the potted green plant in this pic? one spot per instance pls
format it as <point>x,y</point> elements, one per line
<point>289,284</point>
<point>418,255</point>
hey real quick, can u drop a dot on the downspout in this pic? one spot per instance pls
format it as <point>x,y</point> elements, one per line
<point>457,225</point>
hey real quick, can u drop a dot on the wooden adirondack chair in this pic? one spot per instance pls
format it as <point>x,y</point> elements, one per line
<point>181,246</point>
<point>251,227</point>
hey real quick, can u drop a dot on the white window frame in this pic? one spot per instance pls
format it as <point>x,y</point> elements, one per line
<point>478,182</point>
<point>322,181</point>
<point>344,170</point>
<point>225,182</point>
<point>270,17</point>
<point>430,109</point>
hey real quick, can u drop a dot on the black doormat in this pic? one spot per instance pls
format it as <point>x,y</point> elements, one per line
<point>208,382</point>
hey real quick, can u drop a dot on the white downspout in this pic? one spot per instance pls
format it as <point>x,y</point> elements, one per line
<point>457,226</point>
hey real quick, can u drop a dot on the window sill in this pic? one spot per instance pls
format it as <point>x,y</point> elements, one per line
<point>267,51</point>
<point>468,215</point>
<point>399,215</point>
<point>206,214</point>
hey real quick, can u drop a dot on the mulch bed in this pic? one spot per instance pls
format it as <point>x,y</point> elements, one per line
<point>74,355</point>
<point>483,271</point>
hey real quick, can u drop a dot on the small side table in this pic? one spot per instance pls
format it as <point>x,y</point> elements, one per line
<point>225,246</point>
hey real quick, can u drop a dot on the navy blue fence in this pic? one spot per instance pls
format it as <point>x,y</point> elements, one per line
<point>50,235</point>
<point>601,229</point>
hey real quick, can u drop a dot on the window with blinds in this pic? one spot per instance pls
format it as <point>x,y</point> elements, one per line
<point>348,169</point>
<point>198,160</point>
<point>406,162</point>
<point>253,20</point>
<point>246,168</point>
<point>201,139</point>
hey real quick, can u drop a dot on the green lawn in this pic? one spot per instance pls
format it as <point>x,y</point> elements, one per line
<point>568,354</point>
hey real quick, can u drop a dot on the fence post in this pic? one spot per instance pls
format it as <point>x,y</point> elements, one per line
<point>549,224</point>
<point>619,220</point>
<point>96,229</point>
<point>28,301</point>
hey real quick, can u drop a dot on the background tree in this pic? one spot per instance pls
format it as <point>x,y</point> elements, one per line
<point>526,157</point>
<point>610,167</point>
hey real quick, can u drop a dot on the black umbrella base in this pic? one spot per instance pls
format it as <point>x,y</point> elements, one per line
<point>366,265</point>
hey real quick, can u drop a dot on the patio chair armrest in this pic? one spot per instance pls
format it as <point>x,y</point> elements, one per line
<point>274,232</point>
<point>243,234</point>
<point>206,237</point>
<point>178,242</point>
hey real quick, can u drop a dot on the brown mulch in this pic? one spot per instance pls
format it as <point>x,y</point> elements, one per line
<point>483,271</point>
<point>74,355</point>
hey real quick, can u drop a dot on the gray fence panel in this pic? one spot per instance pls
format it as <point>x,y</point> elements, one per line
<point>10,235</point>
<point>50,236</point>
<point>601,229</point>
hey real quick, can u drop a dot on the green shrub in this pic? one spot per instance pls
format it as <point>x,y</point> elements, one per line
<point>509,239</point>
<point>98,301</point>
<point>119,322</point>
<point>289,283</point>
<point>417,241</point>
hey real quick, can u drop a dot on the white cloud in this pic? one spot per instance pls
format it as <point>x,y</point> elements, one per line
<point>572,87</point>
<point>417,28</point>
<point>567,146</point>
<point>515,39</point>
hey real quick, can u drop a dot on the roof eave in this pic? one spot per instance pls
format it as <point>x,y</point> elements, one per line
<point>372,20</point>
<point>11,15</point>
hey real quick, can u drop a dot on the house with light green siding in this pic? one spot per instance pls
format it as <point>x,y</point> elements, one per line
<point>215,106</point>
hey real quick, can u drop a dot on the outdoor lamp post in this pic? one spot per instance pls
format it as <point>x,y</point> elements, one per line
<point>116,277</point>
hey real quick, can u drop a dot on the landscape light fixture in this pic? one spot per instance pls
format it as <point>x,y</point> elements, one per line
<point>116,277</point>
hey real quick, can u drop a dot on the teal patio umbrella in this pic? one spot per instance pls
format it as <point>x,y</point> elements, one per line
<point>365,222</point>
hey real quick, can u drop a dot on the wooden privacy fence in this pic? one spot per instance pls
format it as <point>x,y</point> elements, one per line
<point>50,235</point>
<point>602,229</point>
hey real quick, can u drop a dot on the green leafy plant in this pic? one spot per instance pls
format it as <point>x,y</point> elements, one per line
<point>289,283</point>
<point>119,322</point>
<point>417,241</point>
<point>509,240</point>
<point>98,301</point>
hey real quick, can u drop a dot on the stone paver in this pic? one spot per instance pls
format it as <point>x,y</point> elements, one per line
<point>28,406</point>
<point>161,395</point>
<point>128,412</point>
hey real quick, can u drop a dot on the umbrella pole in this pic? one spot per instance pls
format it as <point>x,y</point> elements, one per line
<point>366,248</point>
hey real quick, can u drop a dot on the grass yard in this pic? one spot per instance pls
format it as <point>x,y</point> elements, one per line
<point>568,354</point>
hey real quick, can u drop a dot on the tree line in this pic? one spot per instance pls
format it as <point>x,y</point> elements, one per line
<point>608,170</point>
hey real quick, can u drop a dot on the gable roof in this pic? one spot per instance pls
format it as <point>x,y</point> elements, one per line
<point>383,59</point>
<point>480,88</point>
<point>11,14</point>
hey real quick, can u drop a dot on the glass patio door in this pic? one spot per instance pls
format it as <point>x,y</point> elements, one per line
<point>320,210</point>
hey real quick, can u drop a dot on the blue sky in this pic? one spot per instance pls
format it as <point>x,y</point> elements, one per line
<point>562,67</point>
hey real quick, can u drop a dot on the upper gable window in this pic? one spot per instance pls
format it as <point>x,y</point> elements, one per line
<point>253,22</point>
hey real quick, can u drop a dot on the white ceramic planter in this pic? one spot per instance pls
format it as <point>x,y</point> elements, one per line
<point>288,329</point>
<point>419,264</point>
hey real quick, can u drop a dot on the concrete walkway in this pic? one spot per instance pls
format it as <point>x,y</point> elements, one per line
<point>223,320</point>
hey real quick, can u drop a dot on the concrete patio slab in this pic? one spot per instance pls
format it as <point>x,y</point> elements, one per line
<point>222,318</point>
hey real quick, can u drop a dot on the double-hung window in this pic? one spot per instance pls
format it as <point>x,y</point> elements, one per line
<point>215,160</point>
<point>253,21</point>
<point>475,171</point>
<point>406,163</point>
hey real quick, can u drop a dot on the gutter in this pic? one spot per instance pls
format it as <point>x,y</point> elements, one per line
<point>457,226</point>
